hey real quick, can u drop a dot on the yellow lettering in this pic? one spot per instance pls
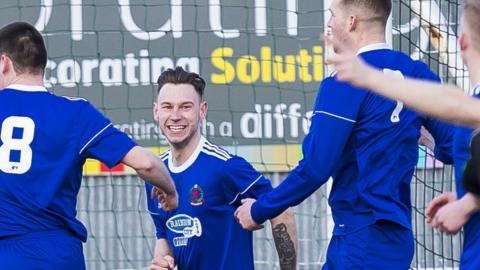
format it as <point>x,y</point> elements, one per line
<point>223,65</point>
<point>243,63</point>
<point>318,63</point>
<point>304,59</point>
<point>284,72</point>
<point>266,62</point>
<point>265,67</point>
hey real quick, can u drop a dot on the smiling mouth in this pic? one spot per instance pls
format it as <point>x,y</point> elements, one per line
<point>177,128</point>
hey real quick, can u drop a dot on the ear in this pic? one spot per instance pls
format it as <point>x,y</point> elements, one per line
<point>464,41</point>
<point>203,109</point>
<point>5,64</point>
<point>155,111</point>
<point>352,26</point>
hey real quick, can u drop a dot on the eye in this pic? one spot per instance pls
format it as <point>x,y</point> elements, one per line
<point>166,107</point>
<point>187,106</point>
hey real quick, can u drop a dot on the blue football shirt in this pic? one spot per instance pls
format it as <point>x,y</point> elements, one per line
<point>203,232</point>
<point>44,142</point>
<point>367,143</point>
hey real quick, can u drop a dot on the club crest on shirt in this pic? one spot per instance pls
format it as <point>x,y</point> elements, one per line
<point>196,195</point>
<point>185,225</point>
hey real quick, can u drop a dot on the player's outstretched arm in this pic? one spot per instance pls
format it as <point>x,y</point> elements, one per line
<point>152,169</point>
<point>446,102</point>
<point>163,259</point>
<point>285,236</point>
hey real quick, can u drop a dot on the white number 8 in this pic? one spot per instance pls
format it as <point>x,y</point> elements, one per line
<point>395,116</point>
<point>16,144</point>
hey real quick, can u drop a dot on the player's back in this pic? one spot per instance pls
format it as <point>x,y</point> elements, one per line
<point>373,175</point>
<point>42,136</point>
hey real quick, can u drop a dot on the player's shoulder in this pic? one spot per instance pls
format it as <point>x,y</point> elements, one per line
<point>407,61</point>
<point>397,60</point>
<point>219,158</point>
<point>338,91</point>
<point>70,102</point>
<point>81,105</point>
<point>419,69</point>
<point>215,152</point>
<point>387,58</point>
<point>73,101</point>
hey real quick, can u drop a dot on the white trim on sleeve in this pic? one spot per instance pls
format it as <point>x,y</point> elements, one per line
<point>243,192</point>
<point>336,116</point>
<point>96,135</point>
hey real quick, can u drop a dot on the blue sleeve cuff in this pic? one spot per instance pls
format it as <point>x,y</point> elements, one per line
<point>259,214</point>
<point>161,236</point>
<point>122,150</point>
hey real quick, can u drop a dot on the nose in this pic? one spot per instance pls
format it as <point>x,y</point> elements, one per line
<point>175,114</point>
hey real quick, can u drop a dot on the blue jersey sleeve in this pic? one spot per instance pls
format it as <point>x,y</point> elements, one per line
<point>99,139</point>
<point>157,218</point>
<point>243,181</point>
<point>334,117</point>
<point>441,131</point>
<point>443,135</point>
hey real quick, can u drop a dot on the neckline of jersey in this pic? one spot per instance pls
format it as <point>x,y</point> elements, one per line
<point>374,47</point>
<point>189,161</point>
<point>27,88</point>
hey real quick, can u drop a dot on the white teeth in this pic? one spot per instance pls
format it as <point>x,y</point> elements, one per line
<point>177,128</point>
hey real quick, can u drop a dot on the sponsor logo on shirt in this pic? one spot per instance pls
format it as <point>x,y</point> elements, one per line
<point>196,195</point>
<point>185,225</point>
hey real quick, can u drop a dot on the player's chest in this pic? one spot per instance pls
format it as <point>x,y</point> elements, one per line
<point>201,205</point>
<point>198,192</point>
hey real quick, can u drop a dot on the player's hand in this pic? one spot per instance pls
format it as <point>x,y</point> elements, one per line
<point>451,217</point>
<point>166,262</point>
<point>437,203</point>
<point>348,66</point>
<point>244,218</point>
<point>168,202</point>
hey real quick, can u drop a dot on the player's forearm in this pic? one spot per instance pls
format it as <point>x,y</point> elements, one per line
<point>470,203</point>
<point>163,258</point>
<point>150,168</point>
<point>158,176</point>
<point>162,248</point>
<point>441,101</point>
<point>285,236</point>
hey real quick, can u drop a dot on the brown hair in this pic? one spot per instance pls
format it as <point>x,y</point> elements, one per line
<point>180,76</point>
<point>24,45</point>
